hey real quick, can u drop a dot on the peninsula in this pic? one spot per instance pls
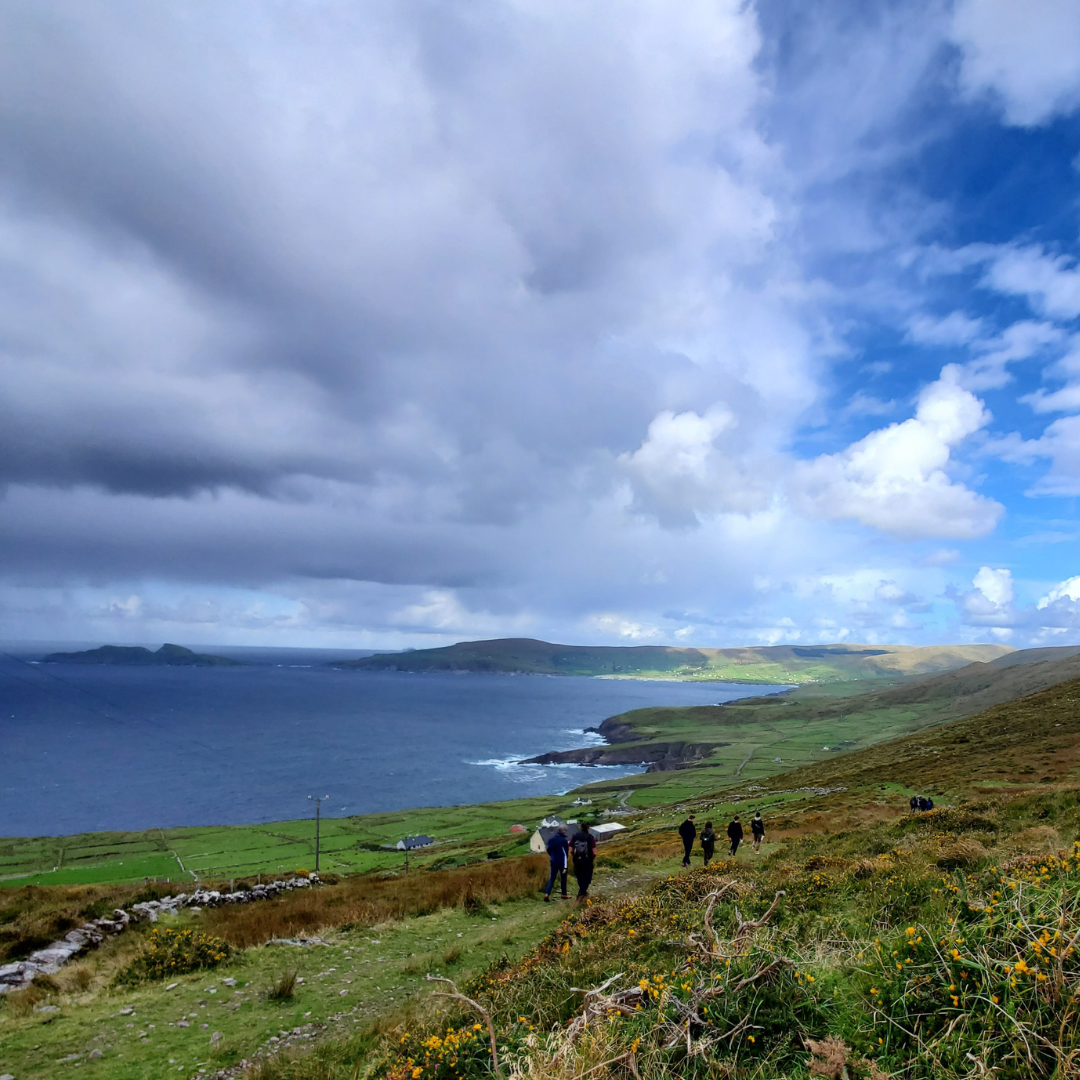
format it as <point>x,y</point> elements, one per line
<point>776,664</point>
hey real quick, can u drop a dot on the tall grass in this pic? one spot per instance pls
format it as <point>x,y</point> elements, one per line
<point>372,899</point>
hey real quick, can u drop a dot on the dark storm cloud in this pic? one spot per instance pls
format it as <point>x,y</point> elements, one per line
<point>521,310</point>
<point>416,217</point>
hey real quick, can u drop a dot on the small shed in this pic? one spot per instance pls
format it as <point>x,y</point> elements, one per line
<point>606,831</point>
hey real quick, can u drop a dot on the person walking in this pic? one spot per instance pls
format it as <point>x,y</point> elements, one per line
<point>583,850</point>
<point>757,827</point>
<point>687,830</point>
<point>734,831</point>
<point>708,842</point>
<point>557,848</point>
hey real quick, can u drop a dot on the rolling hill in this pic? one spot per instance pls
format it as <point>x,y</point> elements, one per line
<point>767,664</point>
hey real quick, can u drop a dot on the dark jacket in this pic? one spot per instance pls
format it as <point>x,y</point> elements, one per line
<point>708,838</point>
<point>558,847</point>
<point>734,831</point>
<point>588,840</point>
<point>688,830</point>
<point>757,826</point>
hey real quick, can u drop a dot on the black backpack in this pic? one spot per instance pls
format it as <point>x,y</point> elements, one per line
<point>581,846</point>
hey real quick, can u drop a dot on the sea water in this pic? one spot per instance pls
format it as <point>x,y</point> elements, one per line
<point>86,748</point>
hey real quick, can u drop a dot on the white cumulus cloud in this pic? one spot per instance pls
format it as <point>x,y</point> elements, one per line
<point>679,473</point>
<point>1028,54</point>
<point>896,480</point>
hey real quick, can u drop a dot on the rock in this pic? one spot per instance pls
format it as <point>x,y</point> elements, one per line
<point>172,986</point>
<point>46,1008</point>
<point>7,1076</point>
<point>94,1054</point>
<point>216,1037</point>
<point>229,982</point>
<point>183,1023</point>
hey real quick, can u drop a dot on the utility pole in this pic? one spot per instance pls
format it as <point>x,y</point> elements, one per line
<point>318,801</point>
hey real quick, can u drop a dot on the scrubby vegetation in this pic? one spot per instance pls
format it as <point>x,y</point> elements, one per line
<point>167,953</point>
<point>923,947</point>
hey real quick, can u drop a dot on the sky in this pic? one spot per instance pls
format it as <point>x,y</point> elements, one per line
<point>373,324</point>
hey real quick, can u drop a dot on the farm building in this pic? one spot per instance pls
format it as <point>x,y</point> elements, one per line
<point>549,826</point>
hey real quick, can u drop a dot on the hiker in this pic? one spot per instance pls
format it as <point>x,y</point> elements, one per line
<point>557,848</point>
<point>583,850</point>
<point>734,831</point>
<point>687,830</point>
<point>929,803</point>
<point>757,827</point>
<point>914,804</point>
<point>708,842</point>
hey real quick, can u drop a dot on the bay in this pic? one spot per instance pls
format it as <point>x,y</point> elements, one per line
<point>89,748</point>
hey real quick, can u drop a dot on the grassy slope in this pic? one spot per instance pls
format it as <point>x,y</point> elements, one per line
<point>879,943</point>
<point>361,974</point>
<point>798,727</point>
<point>840,907</point>
<point>776,664</point>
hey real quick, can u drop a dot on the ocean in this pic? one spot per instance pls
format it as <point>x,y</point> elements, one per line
<point>89,748</point>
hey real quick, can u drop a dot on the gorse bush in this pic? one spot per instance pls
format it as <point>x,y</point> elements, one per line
<point>175,952</point>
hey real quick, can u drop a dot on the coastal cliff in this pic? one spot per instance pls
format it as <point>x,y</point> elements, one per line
<point>659,756</point>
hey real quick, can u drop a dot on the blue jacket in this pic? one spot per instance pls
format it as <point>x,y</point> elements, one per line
<point>557,848</point>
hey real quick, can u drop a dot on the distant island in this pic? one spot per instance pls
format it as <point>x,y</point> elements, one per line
<point>167,655</point>
<point>765,664</point>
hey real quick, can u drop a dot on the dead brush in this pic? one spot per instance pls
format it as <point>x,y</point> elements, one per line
<point>79,979</point>
<point>833,1058</point>
<point>21,1003</point>
<point>962,851</point>
<point>714,948</point>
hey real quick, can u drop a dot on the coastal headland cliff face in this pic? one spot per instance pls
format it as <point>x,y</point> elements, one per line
<point>774,664</point>
<point>659,756</point>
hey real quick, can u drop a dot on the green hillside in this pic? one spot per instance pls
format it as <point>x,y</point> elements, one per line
<point>768,664</point>
<point>742,740</point>
<point>864,941</point>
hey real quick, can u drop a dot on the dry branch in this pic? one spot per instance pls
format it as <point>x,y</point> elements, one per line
<point>458,996</point>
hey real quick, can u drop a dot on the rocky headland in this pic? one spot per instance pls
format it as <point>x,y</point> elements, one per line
<point>625,748</point>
